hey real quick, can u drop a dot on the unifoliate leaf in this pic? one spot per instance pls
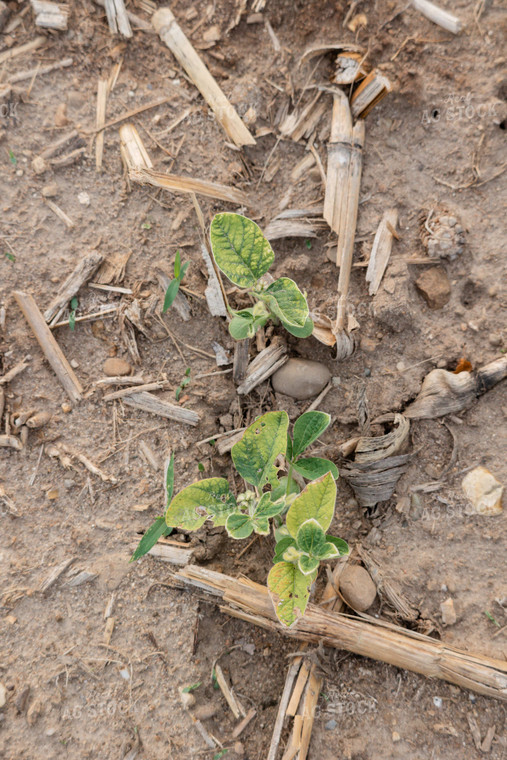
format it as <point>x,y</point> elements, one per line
<point>281,547</point>
<point>314,467</point>
<point>307,564</point>
<point>240,249</point>
<point>170,294</point>
<point>155,531</point>
<point>311,538</point>
<point>307,429</point>
<point>289,590</point>
<point>266,508</point>
<point>208,499</point>
<point>316,501</point>
<point>169,479</point>
<point>286,301</point>
<point>241,327</point>
<point>239,525</point>
<point>340,544</point>
<point>262,442</point>
<point>300,332</point>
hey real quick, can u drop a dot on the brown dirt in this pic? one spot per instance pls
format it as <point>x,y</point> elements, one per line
<point>86,700</point>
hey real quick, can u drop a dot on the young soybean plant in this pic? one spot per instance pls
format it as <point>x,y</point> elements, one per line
<point>244,255</point>
<point>265,451</point>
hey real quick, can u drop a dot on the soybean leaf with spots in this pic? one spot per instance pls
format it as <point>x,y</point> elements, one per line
<point>286,302</point>
<point>289,590</point>
<point>240,249</point>
<point>208,499</point>
<point>316,501</point>
<point>254,455</point>
<point>307,429</point>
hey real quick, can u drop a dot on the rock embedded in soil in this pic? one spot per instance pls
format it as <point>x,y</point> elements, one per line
<point>484,492</point>
<point>434,286</point>
<point>357,588</point>
<point>116,367</point>
<point>301,378</point>
<point>448,612</point>
<point>205,711</point>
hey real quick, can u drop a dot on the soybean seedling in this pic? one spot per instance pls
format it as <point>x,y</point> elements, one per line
<point>72,316</point>
<point>174,285</point>
<point>244,255</point>
<point>185,381</point>
<point>266,457</point>
<point>159,527</point>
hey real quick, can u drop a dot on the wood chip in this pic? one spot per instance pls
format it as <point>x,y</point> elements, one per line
<point>50,15</point>
<point>102,89</point>
<point>244,723</point>
<point>440,17</point>
<point>381,250</point>
<point>60,214</point>
<point>236,708</point>
<point>118,17</point>
<point>149,403</point>
<point>76,279</point>
<point>49,346</point>
<point>170,553</point>
<point>263,366</point>
<point>28,47</point>
<point>172,35</point>
<point>175,183</point>
<point>54,574</point>
<point>368,93</point>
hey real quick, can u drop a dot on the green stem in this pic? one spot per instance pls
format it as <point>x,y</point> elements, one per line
<point>289,480</point>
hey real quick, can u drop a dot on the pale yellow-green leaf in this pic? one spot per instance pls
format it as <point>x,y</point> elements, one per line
<point>316,502</point>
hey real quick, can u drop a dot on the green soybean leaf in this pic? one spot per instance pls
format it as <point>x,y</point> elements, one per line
<point>280,488</point>
<point>286,301</point>
<point>300,332</point>
<point>240,249</point>
<point>240,327</point>
<point>255,454</point>
<point>155,531</point>
<point>316,501</point>
<point>289,590</point>
<point>340,544</point>
<point>281,547</point>
<point>307,429</point>
<point>208,499</point>
<point>329,550</point>
<point>313,467</point>
<point>169,479</point>
<point>239,525</point>
<point>311,538</point>
<point>170,294</point>
<point>266,508</point>
<point>307,564</point>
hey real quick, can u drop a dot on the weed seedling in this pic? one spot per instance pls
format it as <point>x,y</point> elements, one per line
<point>72,316</point>
<point>244,255</point>
<point>159,527</point>
<point>266,458</point>
<point>183,384</point>
<point>174,285</point>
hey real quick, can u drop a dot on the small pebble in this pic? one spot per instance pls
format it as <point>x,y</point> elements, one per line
<point>367,372</point>
<point>301,378</point>
<point>50,191</point>
<point>84,199</point>
<point>66,407</point>
<point>396,736</point>
<point>448,612</point>
<point>331,725</point>
<point>116,367</point>
<point>357,587</point>
<point>484,491</point>
<point>438,702</point>
<point>74,363</point>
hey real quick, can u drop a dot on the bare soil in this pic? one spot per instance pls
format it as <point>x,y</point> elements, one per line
<point>437,141</point>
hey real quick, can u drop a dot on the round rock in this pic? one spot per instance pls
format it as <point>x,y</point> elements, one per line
<point>301,378</point>
<point>357,588</point>
<point>116,367</point>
